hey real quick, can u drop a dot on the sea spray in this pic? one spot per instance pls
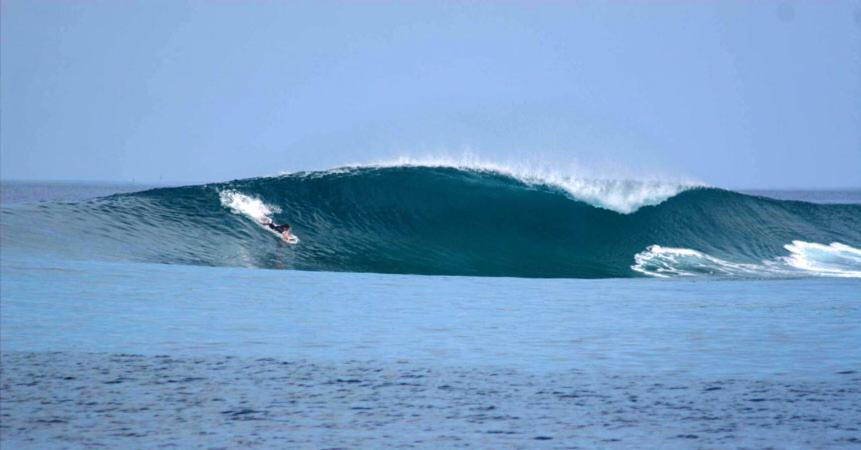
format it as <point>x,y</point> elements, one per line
<point>252,207</point>
<point>621,194</point>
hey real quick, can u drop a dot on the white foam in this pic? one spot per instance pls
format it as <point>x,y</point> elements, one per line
<point>805,259</point>
<point>838,260</point>
<point>252,207</point>
<point>623,195</point>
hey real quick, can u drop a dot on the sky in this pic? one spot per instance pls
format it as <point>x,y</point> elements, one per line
<point>733,94</point>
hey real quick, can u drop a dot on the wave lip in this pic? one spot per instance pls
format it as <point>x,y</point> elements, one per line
<point>805,259</point>
<point>624,196</point>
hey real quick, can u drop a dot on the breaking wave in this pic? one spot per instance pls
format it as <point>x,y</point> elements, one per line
<point>434,217</point>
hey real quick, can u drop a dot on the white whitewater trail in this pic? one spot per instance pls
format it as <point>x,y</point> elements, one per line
<point>804,259</point>
<point>252,207</point>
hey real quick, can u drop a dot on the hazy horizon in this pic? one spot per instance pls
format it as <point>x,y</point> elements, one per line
<point>174,183</point>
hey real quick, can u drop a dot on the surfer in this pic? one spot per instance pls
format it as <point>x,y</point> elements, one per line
<point>283,230</point>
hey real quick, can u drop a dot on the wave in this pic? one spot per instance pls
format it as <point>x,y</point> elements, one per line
<point>444,219</point>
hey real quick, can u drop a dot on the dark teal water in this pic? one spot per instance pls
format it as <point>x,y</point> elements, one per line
<point>450,221</point>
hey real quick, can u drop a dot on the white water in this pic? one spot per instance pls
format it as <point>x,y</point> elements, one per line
<point>253,207</point>
<point>623,195</point>
<point>804,259</point>
<point>839,260</point>
<point>239,203</point>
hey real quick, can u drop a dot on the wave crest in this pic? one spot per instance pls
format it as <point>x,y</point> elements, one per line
<point>620,195</point>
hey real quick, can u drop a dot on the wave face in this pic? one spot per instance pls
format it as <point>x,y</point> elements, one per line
<point>453,221</point>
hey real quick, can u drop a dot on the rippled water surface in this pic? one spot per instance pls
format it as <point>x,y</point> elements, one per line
<point>268,358</point>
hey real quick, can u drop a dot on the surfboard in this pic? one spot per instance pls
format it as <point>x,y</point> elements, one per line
<point>292,240</point>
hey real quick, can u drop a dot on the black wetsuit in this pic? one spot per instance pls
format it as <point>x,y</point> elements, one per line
<point>278,228</point>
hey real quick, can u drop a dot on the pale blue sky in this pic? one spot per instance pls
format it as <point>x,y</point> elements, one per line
<point>735,94</point>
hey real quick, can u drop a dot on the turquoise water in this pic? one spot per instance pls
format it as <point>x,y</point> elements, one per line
<point>116,348</point>
<point>770,328</point>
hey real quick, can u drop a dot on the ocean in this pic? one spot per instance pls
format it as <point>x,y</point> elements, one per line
<point>429,306</point>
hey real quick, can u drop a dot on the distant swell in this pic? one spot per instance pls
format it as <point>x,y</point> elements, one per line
<point>426,219</point>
